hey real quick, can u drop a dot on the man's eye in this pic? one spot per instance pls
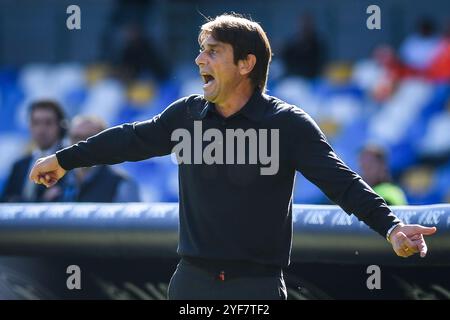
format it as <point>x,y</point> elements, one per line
<point>210,51</point>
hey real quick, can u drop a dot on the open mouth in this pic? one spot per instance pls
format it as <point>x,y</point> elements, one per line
<point>207,79</point>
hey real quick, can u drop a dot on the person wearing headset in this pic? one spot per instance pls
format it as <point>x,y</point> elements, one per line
<point>47,127</point>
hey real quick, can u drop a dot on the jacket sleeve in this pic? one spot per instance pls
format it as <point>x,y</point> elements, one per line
<point>127,142</point>
<point>317,161</point>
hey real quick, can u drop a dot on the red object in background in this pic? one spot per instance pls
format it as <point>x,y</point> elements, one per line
<point>440,66</point>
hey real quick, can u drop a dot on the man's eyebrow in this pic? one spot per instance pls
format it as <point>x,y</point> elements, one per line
<point>210,45</point>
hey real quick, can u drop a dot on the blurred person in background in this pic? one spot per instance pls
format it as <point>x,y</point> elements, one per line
<point>47,127</point>
<point>139,56</point>
<point>124,16</point>
<point>420,48</point>
<point>422,55</point>
<point>304,54</point>
<point>99,183</point>
<point>439,67</point>
<point>394,70</point>
<point>375,172</point>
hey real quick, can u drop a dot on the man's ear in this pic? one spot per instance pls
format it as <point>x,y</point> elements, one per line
<point>246,65</point>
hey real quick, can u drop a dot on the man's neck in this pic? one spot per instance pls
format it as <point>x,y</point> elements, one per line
<point>47,151</point>
<point>236,102</point>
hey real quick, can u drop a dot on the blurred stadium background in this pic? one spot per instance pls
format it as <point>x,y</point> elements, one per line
<point>389,87</point>
<point>355,92</point>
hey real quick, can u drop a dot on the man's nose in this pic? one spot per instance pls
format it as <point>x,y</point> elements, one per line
<point>200,60</point>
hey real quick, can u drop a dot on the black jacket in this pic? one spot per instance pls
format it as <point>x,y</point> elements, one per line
<point>232,211</point>
<point>15,183</point>
<point>101,186</point>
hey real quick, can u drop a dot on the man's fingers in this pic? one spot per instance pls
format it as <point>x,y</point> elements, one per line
<point>401,253</point>
<point>34,175</point>
<point>51,182</point>
<point>424,230</point>
<point>41,178</point>
<point>416,237</point>
<point>423,251</point>
<point>42,181</point>
<point>37,171</point>
<point>419,241</point>
<point>404,253</point>
<point>406,244</point>
<point>47,180</point>
<point>399,248</point>
<point>422,246</point>
<point>46,171</point>
<point>411,240</point>
<point>410,250</point>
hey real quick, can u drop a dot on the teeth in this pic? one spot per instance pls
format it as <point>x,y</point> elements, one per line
<point>208,83</point>
<point>206,77</point>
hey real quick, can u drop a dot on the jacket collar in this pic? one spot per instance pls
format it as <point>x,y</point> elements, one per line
<point>254,109</point>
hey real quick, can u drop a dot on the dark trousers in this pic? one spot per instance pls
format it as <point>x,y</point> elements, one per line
<point>193,281</point>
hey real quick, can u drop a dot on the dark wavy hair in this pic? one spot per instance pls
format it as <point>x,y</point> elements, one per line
<point>246,37</point>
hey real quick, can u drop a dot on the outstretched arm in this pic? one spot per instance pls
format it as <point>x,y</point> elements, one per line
<point>317,161</point>
<point>127,142</point>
